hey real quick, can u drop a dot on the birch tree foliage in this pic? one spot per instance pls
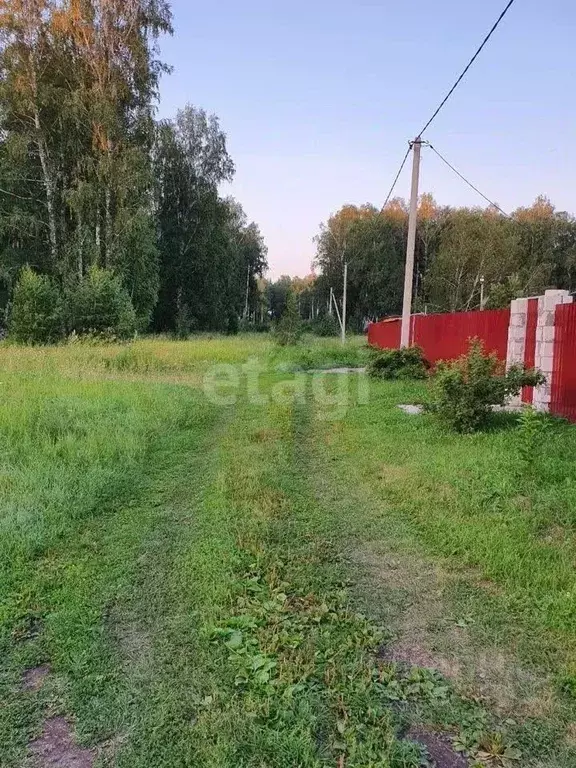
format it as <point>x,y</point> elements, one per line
<point>457,251</point>
<point>210,255</point>
<point>78,79</point>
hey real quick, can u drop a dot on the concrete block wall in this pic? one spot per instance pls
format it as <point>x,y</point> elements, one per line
<point>545,334</point>
<point>517,338</point>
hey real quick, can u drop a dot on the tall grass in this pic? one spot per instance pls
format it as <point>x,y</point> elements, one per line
<point>146,355</point>
<point>163,356</point>
<point>70,450</point>
<point>321,353</point>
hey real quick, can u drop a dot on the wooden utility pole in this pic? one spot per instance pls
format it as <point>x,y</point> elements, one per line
<point>409,274</point>
<point>345,303</point>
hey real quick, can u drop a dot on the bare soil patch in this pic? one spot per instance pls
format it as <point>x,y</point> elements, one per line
<point>440,751</point>
<point>56,747</point>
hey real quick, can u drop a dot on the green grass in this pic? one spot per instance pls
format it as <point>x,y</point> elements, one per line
<point>210,585</point>
<point>470,499</point>
<point>321,353</point>
<point>500,530</point>
<point>75,459</point>
<point>183,359</point>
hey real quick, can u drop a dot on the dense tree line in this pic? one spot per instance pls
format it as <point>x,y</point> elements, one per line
<point>107,204</point>
<point>210,256</point>
<point>458,250</point>
<point>90,180</point>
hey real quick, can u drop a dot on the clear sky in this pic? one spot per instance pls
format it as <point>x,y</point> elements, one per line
<point>319,98</point>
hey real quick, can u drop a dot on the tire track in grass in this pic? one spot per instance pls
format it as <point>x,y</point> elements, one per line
<point>209,623</point>
<point>435,614</point>
<point>302,669</point>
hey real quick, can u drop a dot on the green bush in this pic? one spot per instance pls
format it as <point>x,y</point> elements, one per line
<point>289,328</point>
<point>405,363</point>
<point>99,305</point>
<point>325,326</point>
<point>464,391</point>
<point>36,316</point>
<point>233,324</point>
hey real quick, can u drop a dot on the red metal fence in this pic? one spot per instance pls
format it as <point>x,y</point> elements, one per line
<point>385,334</point>
<point>447,336</point>
<point>564,375</point>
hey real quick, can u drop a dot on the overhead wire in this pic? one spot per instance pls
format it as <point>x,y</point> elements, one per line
<point>465,180</point>
<point>464,72</point>
<point>403,163</point>
<point>440,107</point>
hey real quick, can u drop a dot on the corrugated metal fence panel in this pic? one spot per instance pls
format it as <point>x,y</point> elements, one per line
<point>385,334</point>
<point>564,375</point>
<point>530,350</point>
<point>447,336</point>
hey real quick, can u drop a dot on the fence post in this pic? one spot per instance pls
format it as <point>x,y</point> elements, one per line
<point>517,338</point>
<point>545,333</point>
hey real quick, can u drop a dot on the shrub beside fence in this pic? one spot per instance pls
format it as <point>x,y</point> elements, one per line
<point>538,332</point>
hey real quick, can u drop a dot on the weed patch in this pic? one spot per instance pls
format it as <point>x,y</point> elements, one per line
<point>302,662</point>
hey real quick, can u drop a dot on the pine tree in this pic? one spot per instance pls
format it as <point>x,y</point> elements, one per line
<point>289,328</point>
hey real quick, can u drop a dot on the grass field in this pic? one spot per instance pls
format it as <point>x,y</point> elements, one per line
<point>201,570</point>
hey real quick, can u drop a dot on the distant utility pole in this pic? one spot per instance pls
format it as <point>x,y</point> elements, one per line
<point>482,301</point>
<point>412,221</point>
<point>345,302</point>
<point>333,301</point>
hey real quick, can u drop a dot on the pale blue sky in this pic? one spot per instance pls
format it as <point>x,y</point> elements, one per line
<point>319,98</point>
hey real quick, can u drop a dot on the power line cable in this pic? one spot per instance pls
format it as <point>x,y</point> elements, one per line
<point>472,60</point>
<point>464,179</point>
<point>441,105</point>
<point>397,176</point>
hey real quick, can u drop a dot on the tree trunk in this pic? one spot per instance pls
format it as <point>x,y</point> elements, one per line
<point>108,225</point>
<point>49,186</point>
<point>34,22</point>
<point>80,263</point>
<point>247,292</point>
<point>98,235</point>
